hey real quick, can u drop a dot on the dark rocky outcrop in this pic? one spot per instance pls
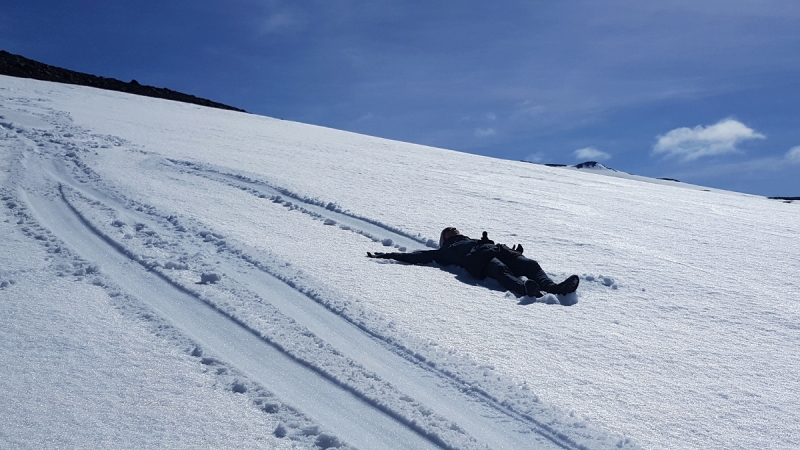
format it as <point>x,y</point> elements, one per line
<point>19,66</point>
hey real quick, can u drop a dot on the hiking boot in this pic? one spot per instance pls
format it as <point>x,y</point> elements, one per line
<point>532,289</point>
<point>567,286</point>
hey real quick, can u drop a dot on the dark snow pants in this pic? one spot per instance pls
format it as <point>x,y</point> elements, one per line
<point>509,273</point>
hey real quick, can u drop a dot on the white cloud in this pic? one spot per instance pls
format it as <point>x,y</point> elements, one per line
<point>591,153</point>
<point>793,155</point>
<point>484,132</point>
<point>693,143</point>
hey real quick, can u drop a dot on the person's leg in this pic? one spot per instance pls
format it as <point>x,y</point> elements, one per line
<point>522,266</point>
<point>525,267</point>
<point>500,272</point>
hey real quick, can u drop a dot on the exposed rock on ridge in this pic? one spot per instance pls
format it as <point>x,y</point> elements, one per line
<point>19,66</point>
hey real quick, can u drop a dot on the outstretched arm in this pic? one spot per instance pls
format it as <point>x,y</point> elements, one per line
<point>421,257</point>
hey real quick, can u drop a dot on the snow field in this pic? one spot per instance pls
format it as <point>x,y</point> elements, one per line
<point>665,244</point>
<point>683,336</point>
<point>124,223</point>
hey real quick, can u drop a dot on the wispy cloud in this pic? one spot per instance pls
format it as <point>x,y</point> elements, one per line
<point>751,168</point>
<point>591,153</point>
<point>692,143</point>
<point>485,132</point>
<point>767,165</point>
<point>793,155</point>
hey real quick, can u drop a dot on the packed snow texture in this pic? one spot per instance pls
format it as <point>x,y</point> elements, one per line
<point>683,333</point>
<point>77,372</point>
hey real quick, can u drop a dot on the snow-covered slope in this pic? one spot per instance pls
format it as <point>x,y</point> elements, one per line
<point>683,333</point>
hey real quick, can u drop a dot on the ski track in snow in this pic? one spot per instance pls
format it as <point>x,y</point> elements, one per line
<point>367,425</point>
<point>232,340</point>
<point>443,409</point>
<point>330,212</point>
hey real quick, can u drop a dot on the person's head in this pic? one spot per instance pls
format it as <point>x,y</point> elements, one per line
<point>447,233</point>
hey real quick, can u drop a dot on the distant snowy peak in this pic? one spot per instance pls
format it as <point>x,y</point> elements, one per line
<point>593,165</point>
<point>585,165</point>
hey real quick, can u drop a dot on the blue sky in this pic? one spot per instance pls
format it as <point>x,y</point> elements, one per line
<point>705,92</point>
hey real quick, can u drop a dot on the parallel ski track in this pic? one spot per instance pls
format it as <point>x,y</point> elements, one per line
<point>262,359</point>
<point>256,355</point>
<point>304,314</point>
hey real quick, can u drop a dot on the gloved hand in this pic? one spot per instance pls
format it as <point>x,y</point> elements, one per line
<point>377,255</point>
<point>517,248</point>
<point>485,239</point>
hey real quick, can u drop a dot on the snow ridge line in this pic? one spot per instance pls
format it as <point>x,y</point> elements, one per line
<point>208,172</point>
<point>412,425</point>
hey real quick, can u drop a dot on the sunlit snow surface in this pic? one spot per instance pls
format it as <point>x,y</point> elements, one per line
<point>684,334</point>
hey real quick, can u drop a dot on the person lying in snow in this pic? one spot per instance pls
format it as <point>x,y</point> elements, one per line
<point>483,258</point>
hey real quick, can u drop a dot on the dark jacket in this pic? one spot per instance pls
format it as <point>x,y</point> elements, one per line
<point>471,254</point>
